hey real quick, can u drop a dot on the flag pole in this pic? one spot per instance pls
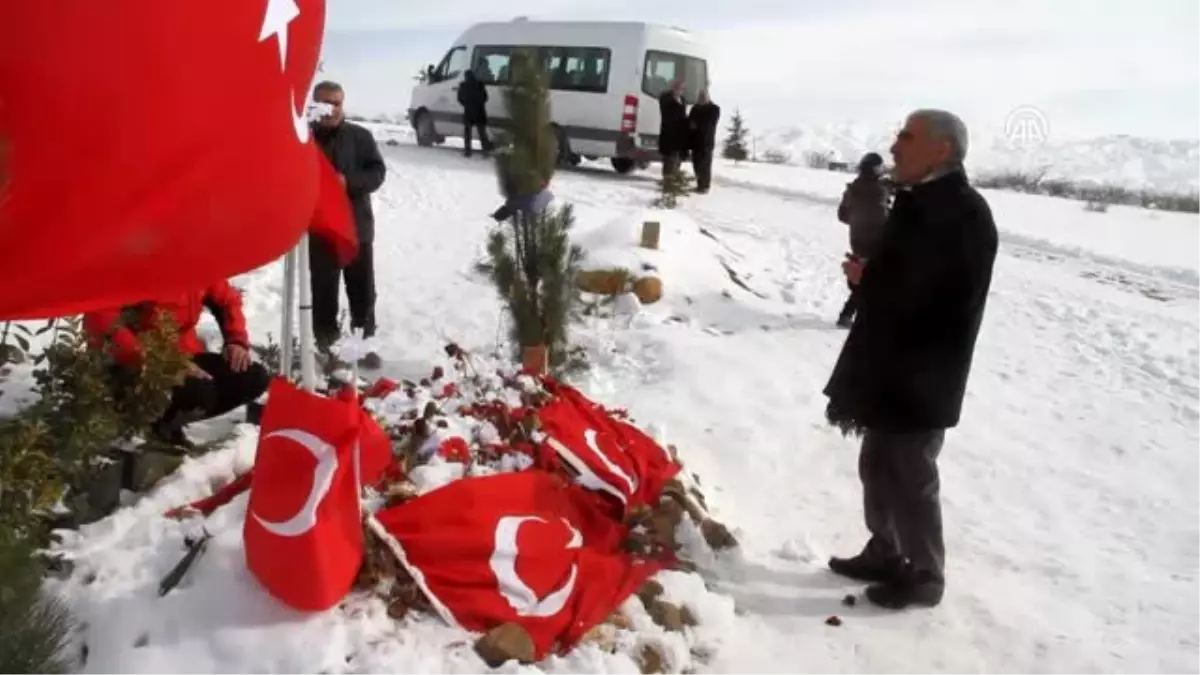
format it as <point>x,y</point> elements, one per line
<point>287,357</point>
<point>308,363</point>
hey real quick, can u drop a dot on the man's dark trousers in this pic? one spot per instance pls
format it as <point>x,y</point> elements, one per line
<point>326,285</point>
<point>702,161</point>
<point>484,142</point>
<point>901,497</point>
<point>199,399</point>
<point>671,162</point>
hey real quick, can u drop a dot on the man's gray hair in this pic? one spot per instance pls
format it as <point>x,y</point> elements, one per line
<point>327,85</point>
<point>946,125</point>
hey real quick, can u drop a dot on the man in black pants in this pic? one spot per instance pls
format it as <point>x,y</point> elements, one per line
<point>902,374</point>
<point>354,153</point>
<point>702,123</point>
<point>473,96</point>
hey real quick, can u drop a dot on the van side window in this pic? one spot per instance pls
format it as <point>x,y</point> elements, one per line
<point>663,67</point>
<point>492,64</point>
<point>567,68</point>
<point>454,63</point>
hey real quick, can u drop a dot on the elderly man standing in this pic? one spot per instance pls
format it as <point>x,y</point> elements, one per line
<point>902,373</point>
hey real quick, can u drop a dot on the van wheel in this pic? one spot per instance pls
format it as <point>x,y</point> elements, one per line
<point>623,164</point>
<point>426,133</point>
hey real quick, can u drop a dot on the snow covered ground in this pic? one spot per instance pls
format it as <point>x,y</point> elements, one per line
<point>1069,490</point>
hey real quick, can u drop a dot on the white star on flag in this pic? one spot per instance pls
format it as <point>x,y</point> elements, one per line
<point>279,14</point>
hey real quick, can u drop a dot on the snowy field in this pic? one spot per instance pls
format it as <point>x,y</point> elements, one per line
<point>1069,490</point>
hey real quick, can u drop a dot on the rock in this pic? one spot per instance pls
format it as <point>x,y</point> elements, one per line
<point>602,635</point>
<point>397,609</point>
<point>849,601</point>
<point>603,282</point>
<point>650,659</point>
<point>619,621</point>
<point>667,615</point>
<point>504,643</point>
<point>688,617</point>
<point>649,591</point>
<point>833,621</point>
<point>648,289</point>
<point>662,529</point>
<point>717,535</point>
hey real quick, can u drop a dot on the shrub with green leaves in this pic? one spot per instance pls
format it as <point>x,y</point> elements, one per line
<point>35,627</point>
<point>54,443</point>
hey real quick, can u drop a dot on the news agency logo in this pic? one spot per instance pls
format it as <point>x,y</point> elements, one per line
<point>1026,128</point>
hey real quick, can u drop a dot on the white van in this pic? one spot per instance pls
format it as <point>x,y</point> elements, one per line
<point>605,79</point>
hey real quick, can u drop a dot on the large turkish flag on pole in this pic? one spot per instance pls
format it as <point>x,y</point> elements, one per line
<point>522,547</point>
<point>151,146</point>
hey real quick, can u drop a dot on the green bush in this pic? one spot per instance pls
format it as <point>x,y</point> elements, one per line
<point>35,627</point>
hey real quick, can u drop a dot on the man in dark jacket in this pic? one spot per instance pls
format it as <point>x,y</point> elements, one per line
<point>702,125</point>
<point>354,153</point>
<point>673,129</point>
<point>864,208</point>
<point>903,370</point>
<point>473,97</point>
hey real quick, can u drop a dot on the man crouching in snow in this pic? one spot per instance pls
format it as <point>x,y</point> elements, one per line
<point>902,373</point>
<point>215,383</point>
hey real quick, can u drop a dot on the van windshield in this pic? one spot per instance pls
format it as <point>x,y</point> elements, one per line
<point>663,67</point>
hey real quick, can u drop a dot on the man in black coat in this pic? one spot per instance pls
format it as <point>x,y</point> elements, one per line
<point>903,370</point>
<point>354,153</point>
<point>673,129</point>
<point>473,97</point>
<point>702,125</point>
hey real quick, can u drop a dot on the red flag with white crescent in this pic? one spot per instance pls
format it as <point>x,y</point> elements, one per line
<point>606,455</point>
<point>303,529</point>
<point>148,147</point>
<point>523,547</point>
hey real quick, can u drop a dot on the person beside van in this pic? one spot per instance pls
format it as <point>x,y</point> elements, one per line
<point>673,132</point>
<point>864,208</point>
<point>702,125</point>
<point>473,97</point>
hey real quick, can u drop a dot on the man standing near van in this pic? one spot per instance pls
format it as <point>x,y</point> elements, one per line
<point>473,96</point>
<point>354,153</point>
<point>673,131</point>
<point>702,125</point>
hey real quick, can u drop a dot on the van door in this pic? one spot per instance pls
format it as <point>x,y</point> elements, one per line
<point>443,92</point>
<point>493,68</point>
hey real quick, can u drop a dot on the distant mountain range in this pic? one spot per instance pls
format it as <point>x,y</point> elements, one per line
<point>1127,161</point>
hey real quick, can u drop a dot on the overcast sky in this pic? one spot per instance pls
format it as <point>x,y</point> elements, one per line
<point>1091,68</point>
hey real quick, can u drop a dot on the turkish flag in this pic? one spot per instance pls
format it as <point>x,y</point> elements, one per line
<point>518,547</point>
<point>605,454</point>
<point>374,447</point>
<point>333,220</point>
<point>148,147</point>
<point>303,529</point>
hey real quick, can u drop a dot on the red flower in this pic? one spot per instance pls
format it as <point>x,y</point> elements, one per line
<point>454,449</point>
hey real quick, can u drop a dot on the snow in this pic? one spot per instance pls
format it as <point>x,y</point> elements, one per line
<point>1069,490</point>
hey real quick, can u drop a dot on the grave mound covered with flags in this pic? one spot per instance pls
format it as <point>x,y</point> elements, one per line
<point>506,504</point>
